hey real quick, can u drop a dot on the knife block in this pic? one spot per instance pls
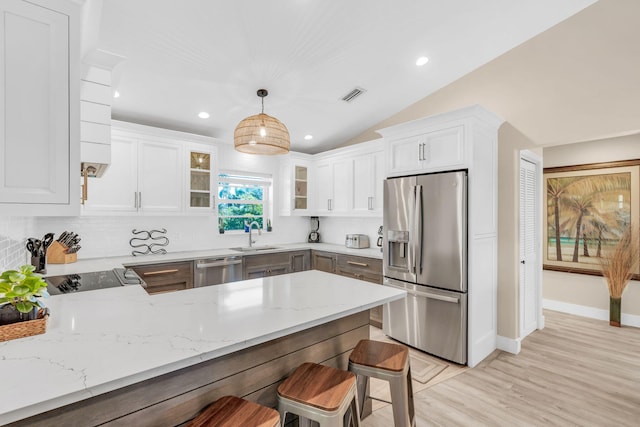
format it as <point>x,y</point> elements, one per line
<point>57,254</point>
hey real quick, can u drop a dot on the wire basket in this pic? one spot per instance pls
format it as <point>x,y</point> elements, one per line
<point>26,328</point>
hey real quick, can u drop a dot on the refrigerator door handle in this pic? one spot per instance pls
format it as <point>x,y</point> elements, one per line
<point>412,231</point>
<point>419,229</point>
<point>429,295</point>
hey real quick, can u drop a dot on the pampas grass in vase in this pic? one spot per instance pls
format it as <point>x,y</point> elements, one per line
<point>618,267</point>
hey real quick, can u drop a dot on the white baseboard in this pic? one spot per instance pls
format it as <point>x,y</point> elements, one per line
<point>509,345</point>
<point>585,311</point>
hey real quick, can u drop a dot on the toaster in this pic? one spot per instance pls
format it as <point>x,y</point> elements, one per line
<point>357,241</point>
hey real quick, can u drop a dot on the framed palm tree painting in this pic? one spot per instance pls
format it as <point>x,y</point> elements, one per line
<point>588,209</point>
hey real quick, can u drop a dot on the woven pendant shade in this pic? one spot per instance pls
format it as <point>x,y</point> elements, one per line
<point>261,134</point>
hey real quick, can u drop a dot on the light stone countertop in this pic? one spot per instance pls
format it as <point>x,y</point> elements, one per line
<point>108,263</point>
<point>102,340</point>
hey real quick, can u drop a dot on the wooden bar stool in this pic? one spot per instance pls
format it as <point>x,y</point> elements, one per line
<point>389,362</point>
<point>231,411</point>
<point>319,393</point>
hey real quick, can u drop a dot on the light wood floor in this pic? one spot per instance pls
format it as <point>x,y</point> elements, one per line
<point>576,371</point>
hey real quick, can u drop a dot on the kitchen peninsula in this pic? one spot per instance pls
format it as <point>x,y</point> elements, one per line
<point>122,356</point>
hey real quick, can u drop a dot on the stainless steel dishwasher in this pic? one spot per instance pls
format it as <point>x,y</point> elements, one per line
<point>215,271</point>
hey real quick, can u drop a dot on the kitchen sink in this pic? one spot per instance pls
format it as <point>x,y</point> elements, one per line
<point>253,248</point>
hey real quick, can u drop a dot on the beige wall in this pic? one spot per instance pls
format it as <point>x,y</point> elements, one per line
<point>510,143</point>
<point>580,289</point>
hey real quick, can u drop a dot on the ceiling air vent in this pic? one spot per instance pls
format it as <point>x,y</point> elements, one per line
<point>353,94</point>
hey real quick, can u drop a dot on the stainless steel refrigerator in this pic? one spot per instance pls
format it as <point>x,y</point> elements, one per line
<point>425,253</point>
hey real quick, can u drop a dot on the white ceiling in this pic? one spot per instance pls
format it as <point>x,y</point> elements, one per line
<point>188,56</point>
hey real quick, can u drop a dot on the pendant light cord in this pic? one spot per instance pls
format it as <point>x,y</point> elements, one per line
<point>262,98</point>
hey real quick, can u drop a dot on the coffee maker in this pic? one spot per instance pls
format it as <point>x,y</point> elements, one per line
<point>314,236</point>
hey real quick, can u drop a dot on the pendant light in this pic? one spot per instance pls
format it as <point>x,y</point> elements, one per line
<point>261,134</point>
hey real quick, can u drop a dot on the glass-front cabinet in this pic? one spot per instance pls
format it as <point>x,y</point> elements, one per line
<point>300,187</point>
<point>200,179</point>
<point>295,182</point>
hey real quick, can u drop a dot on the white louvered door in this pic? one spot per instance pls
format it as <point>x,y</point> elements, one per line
<point>528,248</point>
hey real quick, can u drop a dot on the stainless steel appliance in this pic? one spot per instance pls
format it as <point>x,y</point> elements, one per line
<point>357,241</point>
<point>215,271</point>
<point>425,253</point>
<point>69,283</point>
<point>314,236</point>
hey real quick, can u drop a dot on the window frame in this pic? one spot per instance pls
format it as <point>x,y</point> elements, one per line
<point>246,178</point>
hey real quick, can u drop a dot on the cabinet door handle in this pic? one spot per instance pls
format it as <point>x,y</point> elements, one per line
<point>140,199</point>
<point>370,203</point>
<point>420,152</point>
<point>135,199</point>
<point>154,273</point>
<point>359,264</point>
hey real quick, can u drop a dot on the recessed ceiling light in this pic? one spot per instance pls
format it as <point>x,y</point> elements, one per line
<point>421,61</point>
<point>308,137</point>
<point>116,94</point>
<point>203,115</point>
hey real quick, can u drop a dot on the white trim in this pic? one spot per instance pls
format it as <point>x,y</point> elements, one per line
<point>509,345</point>
<point>591,312</point>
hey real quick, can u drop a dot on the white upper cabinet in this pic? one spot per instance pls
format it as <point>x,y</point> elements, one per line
<point>39,112</point>
<point>437,149</point>
<point>324,187</point>
<point>154,171</point>
<point>117,189</point>
<point>333,186</point>
<point>368,177</point>
<point>349,181</point>
<point>160,183</point>
<point>201,178</point>
<point>296,179</point>
<point>144,176</point>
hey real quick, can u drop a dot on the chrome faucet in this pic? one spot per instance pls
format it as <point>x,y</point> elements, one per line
<point>251,241</point>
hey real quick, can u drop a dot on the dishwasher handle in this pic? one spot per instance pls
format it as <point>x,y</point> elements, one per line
<point>220,263</point>
<point>426,294</point>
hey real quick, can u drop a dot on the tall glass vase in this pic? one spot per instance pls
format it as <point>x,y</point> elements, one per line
<point>614,311</point>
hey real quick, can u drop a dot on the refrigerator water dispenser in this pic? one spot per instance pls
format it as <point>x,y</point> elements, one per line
<point>398,242</point>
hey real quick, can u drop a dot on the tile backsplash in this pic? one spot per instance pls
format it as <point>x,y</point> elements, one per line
<point>13,234</point>
<point>334,229</point>
<point>109,235</point>
<point>104,236</point>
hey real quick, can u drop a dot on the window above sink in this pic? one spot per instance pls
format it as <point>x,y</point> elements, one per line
<point>243,198</point>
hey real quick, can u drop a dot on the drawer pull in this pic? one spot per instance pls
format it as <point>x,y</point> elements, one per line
<point>154,273</point>
<point>359,264</point>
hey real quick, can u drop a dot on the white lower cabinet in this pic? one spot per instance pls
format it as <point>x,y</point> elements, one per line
<point>39,108</point>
